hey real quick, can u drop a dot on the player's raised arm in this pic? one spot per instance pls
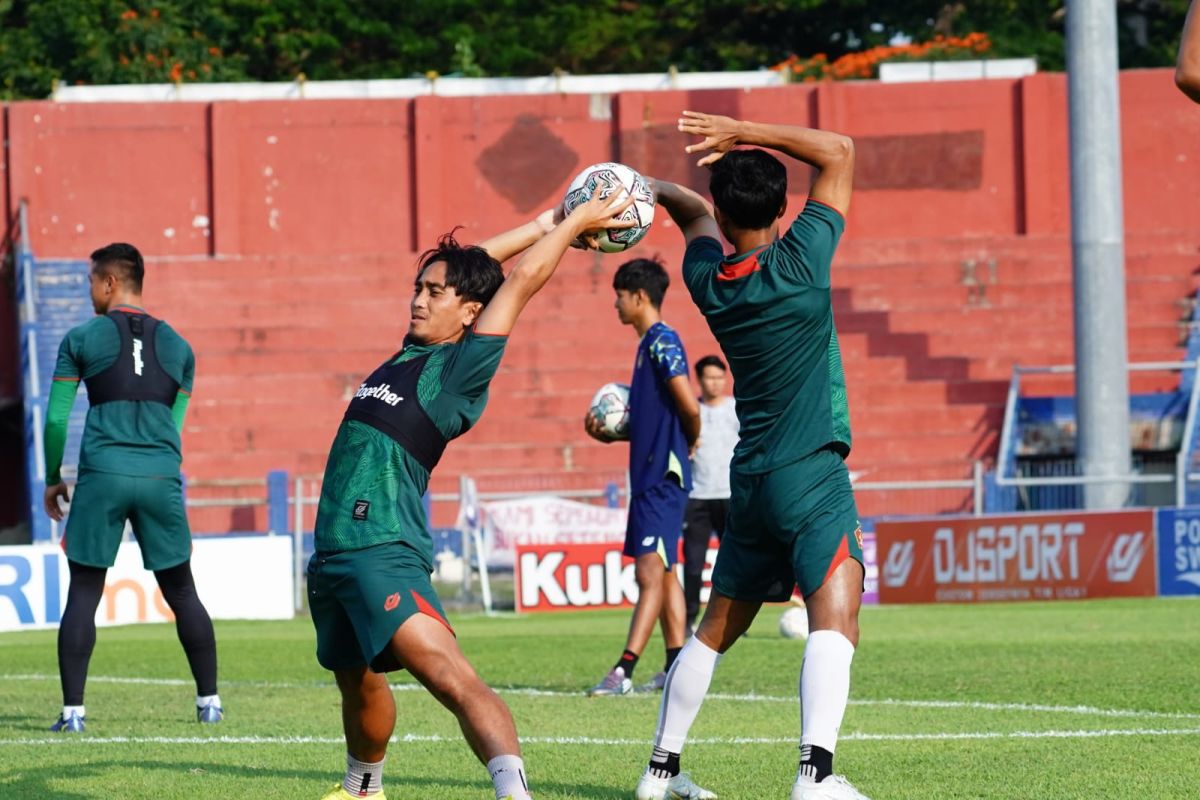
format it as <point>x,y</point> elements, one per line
<point>1187,69</point>
<point>832,154</point>
<point>504,246</point>
<point>539,262</point>
<point>691,212</point>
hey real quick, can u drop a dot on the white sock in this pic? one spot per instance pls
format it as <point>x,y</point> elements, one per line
<point>824,687</point>
<point>508,776</point>
<point>687,683</point>
<point>203,701</point>
<point>363,777</point>
<point>69,710</point>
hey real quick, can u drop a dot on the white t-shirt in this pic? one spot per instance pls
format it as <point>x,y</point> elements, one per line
<point>718,437</point>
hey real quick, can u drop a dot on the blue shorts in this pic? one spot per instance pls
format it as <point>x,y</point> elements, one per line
<point>656,522</point>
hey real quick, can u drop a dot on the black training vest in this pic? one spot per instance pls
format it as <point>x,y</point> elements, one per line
<point>387,401</point>
<point>136,374</point>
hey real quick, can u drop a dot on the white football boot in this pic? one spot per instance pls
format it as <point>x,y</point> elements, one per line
<point>613,683</point>
<point>834,787</point>
<point>681,787</point>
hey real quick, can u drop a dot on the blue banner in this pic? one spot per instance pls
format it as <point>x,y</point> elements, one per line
<point>1179,551</point>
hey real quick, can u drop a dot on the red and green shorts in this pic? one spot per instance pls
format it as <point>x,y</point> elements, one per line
<point>359,599</point>
<point>791,526</point>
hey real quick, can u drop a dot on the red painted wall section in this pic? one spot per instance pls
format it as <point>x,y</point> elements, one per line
<point>490,163</point>
<point>333,177</point>
<point>943,152</point>
<point>99,173</point>
<point>1160,142</point>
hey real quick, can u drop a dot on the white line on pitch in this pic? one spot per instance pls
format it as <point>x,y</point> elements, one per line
<point>70,740</point>
<point>751,697</point>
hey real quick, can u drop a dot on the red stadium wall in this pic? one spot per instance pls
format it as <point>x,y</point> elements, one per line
<point>282,237</point>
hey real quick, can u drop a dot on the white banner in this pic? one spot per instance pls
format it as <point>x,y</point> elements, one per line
<point>547,520</point>
<point>236,577</point>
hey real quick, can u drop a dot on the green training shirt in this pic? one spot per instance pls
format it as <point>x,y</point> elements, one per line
<point>127,437</point>
<point>373,486</point>
<point>771,312</point>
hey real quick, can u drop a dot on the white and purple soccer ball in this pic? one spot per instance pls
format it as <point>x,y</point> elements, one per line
<point>610,407</point>
<point>617,177</point>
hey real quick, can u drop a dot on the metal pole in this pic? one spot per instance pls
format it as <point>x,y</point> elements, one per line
<point>1098,250</point>
<point>977,478</point>
<point>298,546</point>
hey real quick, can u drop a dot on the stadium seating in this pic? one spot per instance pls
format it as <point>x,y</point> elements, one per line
<point>929,332</point>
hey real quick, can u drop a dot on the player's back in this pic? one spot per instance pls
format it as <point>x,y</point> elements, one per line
<point>128,436</point>
<point>771,312</point>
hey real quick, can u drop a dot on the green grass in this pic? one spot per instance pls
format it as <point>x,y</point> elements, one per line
<point>994,672</point>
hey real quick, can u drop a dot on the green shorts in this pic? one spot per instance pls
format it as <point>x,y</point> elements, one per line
<point>103,501</point>
<point>359,598</point>
<point>792,526</point>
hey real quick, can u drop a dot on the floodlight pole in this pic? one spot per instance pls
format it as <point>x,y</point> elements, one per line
<point>1098,251</point>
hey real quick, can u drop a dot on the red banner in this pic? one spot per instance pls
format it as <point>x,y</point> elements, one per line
<point>558,577</point>
<point>1024,557</point>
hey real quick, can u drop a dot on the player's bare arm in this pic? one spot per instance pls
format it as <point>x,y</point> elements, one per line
<point>1187,69</point>
<point>691,212</point>
<point>687,407</point>
<point>831,154</point>
<point>539,262</point>
<point>504,246</point>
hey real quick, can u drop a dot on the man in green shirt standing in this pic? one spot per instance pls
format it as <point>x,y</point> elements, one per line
<point>138,373</point>
<point>369,590</point>
<point>792,516</point>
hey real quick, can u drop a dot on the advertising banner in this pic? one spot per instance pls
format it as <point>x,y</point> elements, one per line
<point>552,577</point>
<point>1179,551</point>
<point>1069,554</point>
<point>547,520</point>
<point>236,578</point>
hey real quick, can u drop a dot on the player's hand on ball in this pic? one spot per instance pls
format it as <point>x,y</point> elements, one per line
<point>600,213</point>
<point>720,134</point>
<point>51,500</point>
<point>595,429</point>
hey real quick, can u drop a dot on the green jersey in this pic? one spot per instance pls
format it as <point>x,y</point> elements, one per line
<point>128,437</point>
<point>378,472</point>
<point>771,312</point>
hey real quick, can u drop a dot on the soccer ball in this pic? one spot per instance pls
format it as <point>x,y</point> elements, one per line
<point>617,176</point>
<point>610,406</point>
<point>794,623</point>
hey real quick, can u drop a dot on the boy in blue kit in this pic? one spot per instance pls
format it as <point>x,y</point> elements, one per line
<point>664,425</point>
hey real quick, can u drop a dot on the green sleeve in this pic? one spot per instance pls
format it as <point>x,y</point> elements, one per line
<point>179,410</point>
<point>54,438</point>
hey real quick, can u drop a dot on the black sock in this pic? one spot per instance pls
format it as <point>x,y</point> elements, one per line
<point>663,764</point>
<point>192,624</point>
<point>816,763</point>
<point>628,661</point>
<point>672,654</point>
<point>77,630</point>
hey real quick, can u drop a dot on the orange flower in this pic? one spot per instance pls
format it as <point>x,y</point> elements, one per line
<point>129,14</point>
<point>214,51</point>
<point>176,72</point>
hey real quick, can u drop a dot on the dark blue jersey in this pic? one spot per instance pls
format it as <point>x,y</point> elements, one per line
<point>657,444</point>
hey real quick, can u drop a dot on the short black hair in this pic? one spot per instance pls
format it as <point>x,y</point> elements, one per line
<point>646,274</point>
<point>473,273</point>
<point>709,361</point>
<point>123,262</point>
<point>749,187</point>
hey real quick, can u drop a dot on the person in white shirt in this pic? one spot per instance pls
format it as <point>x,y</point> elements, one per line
<point>708,503</point>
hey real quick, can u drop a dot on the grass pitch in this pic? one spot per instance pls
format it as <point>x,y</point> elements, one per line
<point>1059,700</point>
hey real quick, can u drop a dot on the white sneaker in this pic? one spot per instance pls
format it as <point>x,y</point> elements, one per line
<point>834,787</point>
<point>655,684</point>
<point>681,787</point>
<point>614,682</point>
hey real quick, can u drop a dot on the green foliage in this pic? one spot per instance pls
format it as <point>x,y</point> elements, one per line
<point>134,41</point>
